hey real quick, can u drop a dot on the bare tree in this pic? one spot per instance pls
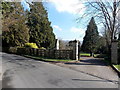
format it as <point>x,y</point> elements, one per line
<point>63,44</point>
<point>106,13</point>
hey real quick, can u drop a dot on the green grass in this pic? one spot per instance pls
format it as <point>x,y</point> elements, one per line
<point>87,54</point>
<point>117,66</point>
<point>84,54</point>
<point>95,55</point>
<point>47,59</point>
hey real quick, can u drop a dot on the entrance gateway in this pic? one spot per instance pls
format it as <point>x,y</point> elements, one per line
<point>72,45</point>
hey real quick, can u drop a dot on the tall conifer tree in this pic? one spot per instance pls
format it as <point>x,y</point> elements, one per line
<point>91,38</point>
<point>41,31</point>
<point>14,31</point>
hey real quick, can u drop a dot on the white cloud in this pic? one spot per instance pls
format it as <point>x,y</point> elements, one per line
<point>70,6</point>
<point>57,27</point>
<point>78,31</point>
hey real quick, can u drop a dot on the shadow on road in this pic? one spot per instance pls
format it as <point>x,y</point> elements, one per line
<point>89,62</point>
<point>93,61</point>
<point>90,80</point>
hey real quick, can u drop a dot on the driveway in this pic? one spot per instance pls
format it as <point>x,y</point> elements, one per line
<point>21,72</point>
<point>93,66</point>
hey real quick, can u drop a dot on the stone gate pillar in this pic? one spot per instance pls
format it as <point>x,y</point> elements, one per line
<point>114,52</point>
<point>57,44</point>
<point>76,50</point>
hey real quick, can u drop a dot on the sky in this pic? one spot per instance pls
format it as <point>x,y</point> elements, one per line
<point>63,14</point>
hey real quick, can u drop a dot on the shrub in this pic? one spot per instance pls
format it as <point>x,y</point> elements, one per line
<point>13,50</point>
<point>31,45</point>
<point>42,48</point>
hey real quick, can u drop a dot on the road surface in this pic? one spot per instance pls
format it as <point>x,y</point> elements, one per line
<point>21,72</point>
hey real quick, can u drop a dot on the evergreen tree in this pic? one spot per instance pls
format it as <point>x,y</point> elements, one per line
<point>41,32</point>
<point>14,32</point>
<point>91,38</point>
<point>102,45</point>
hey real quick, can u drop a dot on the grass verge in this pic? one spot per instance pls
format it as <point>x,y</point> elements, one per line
<point>87,54</point>
<point>47,59</point>
<point>117,66</point>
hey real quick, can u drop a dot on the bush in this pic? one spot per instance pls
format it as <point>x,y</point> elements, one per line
<point>42,48</point>
<point>31,45</point>
<point>13,50</point>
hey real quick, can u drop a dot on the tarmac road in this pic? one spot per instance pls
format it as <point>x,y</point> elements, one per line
<point>21,72</point>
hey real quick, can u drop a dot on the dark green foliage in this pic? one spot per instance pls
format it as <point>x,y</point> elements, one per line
<point>16,36</point>
<point>102,46</point>
<point>14,32</point>
<point>41,32</point>
<point>6,9</point>
<point>91,37</point>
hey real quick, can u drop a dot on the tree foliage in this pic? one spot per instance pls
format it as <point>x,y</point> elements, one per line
<point>20,27</point>
<point>91,37</point>
<point>107,15</point>
<point>15,30</point>
<point>41,31</point>
<point>102,45</point>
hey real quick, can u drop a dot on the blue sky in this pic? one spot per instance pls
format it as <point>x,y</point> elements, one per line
<point>63,23</point>
<point>63,15</point>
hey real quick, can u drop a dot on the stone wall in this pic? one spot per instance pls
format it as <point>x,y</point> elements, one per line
<point>66,54</point>
<point>71,52</point>
<point>75,45</point>
<point>57,54</point>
